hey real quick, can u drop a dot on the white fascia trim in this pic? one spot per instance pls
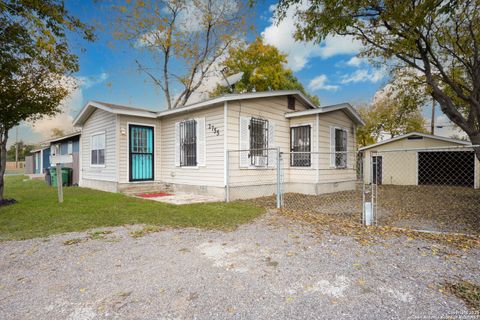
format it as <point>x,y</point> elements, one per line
<point>239,96</point>
<point>91,104</point>
<point>343,106</point>
<point>466,143</point>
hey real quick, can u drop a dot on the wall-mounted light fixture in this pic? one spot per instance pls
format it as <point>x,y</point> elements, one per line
<point>123,131</point>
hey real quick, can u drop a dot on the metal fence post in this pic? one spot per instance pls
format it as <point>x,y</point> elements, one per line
<point>279,195</point>
<point>227,174</point>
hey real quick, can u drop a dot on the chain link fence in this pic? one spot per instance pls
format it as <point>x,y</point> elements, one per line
<point>253,175</point>
<point>322,182</point>
<point>434,189</point>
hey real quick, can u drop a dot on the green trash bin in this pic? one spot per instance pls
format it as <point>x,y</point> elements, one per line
<point>66,176</point>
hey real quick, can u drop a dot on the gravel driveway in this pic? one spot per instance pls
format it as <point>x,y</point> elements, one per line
<point>269,269</point>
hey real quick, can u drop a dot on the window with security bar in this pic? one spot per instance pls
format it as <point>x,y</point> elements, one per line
<point>300,141</point>
<point>188,143</point>
<point>258,142</point>
<point>340,148</point>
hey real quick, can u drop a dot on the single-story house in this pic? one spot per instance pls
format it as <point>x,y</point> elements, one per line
<point>186,149</point>
<point>421,159</point>
<point>38,161</point>
<point>68,144</point>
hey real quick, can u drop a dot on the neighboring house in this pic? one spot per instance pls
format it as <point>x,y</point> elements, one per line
<point>418,158</point>
<point>185,149</point>
<point>68,144</point>
<point>38,161</point>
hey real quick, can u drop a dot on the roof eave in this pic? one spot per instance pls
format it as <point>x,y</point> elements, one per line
<point>466,143</point>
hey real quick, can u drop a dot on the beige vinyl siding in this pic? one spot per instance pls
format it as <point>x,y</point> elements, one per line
<point>209,175</point>
<point>99,122</point>
<point>272,109</point>
<point>327,172</point>
<point>124,165</point>
<point>400,167</point>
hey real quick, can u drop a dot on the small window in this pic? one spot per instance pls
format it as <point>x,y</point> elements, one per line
<point>98,149</point>
<point>188,143</point>
<point>54,149</point>
<point>340,148</point>
<point>291,102</point>
<point>70,147</point>
<point>300,142</point>
<point>258,142</point>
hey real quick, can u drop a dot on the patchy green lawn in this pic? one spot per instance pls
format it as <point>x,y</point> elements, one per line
<point>38,213</point>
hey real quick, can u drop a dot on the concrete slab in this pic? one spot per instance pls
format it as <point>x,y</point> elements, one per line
<point>185,198</point>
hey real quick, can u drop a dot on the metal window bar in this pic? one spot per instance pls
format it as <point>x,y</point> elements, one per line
<point>300,142</point>
<point>258,142</point>
<point>188,143</point>
<point>340,148</point>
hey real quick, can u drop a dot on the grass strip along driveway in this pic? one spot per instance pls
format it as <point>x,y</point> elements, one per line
<point>38,214</point>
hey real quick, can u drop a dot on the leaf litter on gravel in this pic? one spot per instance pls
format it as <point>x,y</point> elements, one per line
<point>367,235</point>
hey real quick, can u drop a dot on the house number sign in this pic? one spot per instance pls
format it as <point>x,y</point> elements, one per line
<point>214,129</point>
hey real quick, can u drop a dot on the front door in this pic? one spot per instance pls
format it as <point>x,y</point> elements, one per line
<point>141,153</point>
<point>377,169</point>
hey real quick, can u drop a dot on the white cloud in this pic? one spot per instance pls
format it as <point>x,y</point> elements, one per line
<point>299,53</point>
<point>363,75</point>
<point>356,61</point>
<point>88,82</point>
<point>320,83</point>
<point>73,103</point>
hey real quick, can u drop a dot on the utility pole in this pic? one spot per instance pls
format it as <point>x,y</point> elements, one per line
<point>432,129</point>
<point>16,148</point>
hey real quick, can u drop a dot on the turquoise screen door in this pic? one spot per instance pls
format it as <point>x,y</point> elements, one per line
<point>141,153</point>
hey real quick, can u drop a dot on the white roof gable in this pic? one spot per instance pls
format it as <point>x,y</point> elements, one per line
<point>425,135</point>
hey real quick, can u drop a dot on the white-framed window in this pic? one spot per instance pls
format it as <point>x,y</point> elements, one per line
<point>190,143</point>
<point>300,141</point>
<point>257,142</point>
<point>54,149</point>
<point>340,145</point>
<point>70,147</point>
<point>98,149</point>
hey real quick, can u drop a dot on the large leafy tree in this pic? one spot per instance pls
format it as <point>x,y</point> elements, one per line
<point>389,114</point>
<point>184,40</point>
<point>264,68</point>
<point>439,39</point>
<point>35,62</point>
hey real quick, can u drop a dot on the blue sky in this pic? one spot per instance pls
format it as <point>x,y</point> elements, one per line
<point>329,70</point>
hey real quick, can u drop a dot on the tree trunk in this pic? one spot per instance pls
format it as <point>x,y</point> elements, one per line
<point>475,139</point>
<point>3,159</point>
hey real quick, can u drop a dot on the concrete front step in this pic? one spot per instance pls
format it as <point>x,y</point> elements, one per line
<point>147,187</point>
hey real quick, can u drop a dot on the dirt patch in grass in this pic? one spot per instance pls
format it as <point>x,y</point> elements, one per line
<point>73,241</point>
<point>467,291</point>
<point>145,230</point>
<point>99,235</point>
